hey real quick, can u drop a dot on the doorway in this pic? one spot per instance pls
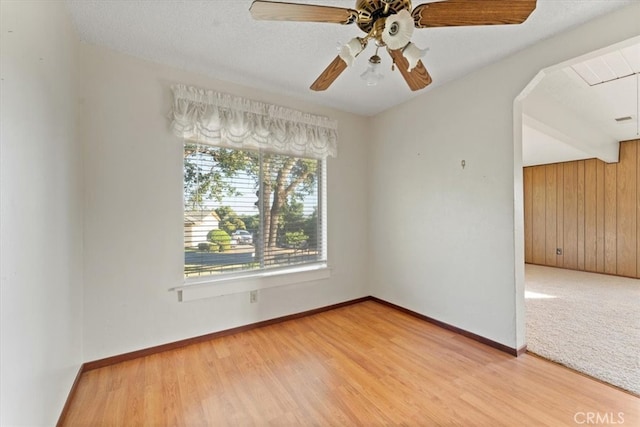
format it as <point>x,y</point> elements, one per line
<point>566,134</point>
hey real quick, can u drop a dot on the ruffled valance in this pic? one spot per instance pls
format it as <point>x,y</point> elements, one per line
<point>230,121</point>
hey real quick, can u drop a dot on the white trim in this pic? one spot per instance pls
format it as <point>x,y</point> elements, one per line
<point>215,287</point>
<point>322,210</point>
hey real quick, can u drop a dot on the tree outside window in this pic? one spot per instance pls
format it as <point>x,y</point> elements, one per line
<point>247,210</point>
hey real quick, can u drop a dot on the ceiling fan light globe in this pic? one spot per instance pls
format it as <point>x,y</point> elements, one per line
<point>413,54</point>
<point>349,51</point>
<point>398,29</point>
<point>355,45</point>
<point>372,76</point>
<point>346,55</point>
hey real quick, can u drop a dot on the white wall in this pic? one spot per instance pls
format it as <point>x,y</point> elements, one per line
<point>133,234</point>
<point>451,247</point>
<point>40,213</point>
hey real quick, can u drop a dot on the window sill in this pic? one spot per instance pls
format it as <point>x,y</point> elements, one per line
<point>208,288</point>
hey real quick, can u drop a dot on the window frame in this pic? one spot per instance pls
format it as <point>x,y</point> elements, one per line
<point>264,277</point>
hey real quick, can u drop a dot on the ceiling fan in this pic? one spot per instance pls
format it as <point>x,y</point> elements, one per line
<point>390,24</point>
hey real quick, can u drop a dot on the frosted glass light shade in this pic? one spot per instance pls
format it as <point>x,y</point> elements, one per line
<point>372,76</point>
<point>346,55</point>
<point>349,51</point>
<point>413,54</point>
<point>398,29</point>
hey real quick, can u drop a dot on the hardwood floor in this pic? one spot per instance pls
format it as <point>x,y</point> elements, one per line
<point>365,364</point>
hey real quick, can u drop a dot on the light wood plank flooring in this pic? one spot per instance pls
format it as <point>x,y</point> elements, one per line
<point>365,364</point>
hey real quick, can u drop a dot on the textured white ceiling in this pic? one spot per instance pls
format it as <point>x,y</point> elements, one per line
<point>578,117</point>
<point>614,65</point>
<point>598,105</point>
<point>220,39</point>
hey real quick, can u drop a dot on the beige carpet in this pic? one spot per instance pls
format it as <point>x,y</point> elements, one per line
<point>589,322</point>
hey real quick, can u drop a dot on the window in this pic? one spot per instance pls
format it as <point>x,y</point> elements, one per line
<point>254,186</point>
<point>248,210</point>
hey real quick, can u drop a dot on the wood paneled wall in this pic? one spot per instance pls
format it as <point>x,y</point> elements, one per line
<point>588,210</point>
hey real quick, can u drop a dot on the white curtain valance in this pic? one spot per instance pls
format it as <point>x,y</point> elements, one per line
<point>230,121</point>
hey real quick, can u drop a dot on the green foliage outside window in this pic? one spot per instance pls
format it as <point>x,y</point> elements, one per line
<point>220,238</point>
<point>296,239</point>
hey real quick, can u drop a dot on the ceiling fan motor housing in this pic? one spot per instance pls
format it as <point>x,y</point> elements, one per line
<point>370,11</point>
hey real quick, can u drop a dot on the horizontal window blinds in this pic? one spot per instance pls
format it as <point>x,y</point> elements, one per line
<point>247,211</point>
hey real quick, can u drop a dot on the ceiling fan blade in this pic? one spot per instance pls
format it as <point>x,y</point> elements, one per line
<point>418,78</point>
<point>453,13</point>
<point>280,11</point>
<point>329,74</point>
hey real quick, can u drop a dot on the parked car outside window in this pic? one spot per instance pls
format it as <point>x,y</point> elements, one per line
<point>243,237</point>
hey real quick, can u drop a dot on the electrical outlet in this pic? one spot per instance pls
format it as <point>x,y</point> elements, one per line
<point>253,296</point>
